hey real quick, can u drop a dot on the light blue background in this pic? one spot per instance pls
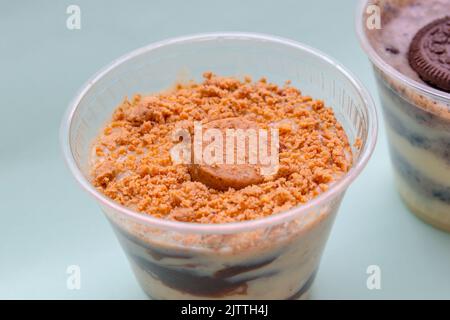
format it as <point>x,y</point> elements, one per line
<point>47,222</point>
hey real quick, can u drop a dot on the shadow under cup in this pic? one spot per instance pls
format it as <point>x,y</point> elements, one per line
<point>271,258</point>
<point>417,122</point>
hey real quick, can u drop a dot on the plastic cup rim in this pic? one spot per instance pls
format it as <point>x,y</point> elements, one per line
<point>335,189</point>
<point>375,58</point>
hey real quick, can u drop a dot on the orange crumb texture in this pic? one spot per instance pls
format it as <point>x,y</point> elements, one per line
<point>132,165</point>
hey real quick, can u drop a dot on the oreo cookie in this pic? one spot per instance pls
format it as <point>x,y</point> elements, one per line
<point>429,54</point>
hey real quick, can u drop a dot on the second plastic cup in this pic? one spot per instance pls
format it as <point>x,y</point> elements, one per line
<point>272,258</point>
<point>417,121</point>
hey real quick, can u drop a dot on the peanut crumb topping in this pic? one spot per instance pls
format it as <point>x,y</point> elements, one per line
<point>132,163</point>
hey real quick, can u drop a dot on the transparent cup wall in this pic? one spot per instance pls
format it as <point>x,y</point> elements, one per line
<point>417,121</point>
<point>419,143</point>
<point>275,261</point>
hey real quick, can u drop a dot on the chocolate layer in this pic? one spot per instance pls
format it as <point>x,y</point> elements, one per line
<point>304,288</point>
<point>127,240</point>
<point>188,280</point>
<point>186,277</point>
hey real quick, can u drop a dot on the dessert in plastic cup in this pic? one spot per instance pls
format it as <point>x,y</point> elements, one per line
<point>411,62</point>
<point>273,257</point>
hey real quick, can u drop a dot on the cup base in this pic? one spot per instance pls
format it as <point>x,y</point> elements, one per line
<point>423,208</point>
<point>304,296</point>
<point>150,285</point>
<point>425,217</point>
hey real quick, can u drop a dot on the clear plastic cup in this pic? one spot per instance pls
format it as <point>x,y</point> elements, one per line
<point>417,121</point>
<point>271,258</point>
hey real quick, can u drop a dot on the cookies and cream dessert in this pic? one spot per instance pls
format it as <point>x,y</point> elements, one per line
<point>415,40</point>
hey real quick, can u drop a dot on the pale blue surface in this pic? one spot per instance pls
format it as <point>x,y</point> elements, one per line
<point>48,222</point>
